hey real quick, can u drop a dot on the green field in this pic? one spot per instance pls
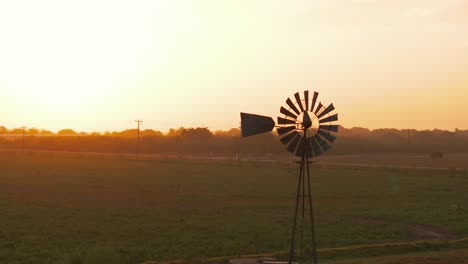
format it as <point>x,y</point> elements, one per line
<point>81,208</point>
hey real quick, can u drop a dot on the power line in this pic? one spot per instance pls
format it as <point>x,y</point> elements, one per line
<point>138,138</point>
<point>22,143</point>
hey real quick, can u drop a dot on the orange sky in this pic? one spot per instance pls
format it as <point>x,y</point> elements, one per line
<point>99,65</point>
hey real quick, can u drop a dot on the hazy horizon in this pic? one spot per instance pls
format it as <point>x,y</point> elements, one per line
<point>142,128</point>
<point>99,65</point>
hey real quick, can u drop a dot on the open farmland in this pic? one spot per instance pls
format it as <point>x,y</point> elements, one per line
<point>108,209</point>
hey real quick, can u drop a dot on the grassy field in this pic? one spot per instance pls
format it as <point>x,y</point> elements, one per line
<point>99,209</point>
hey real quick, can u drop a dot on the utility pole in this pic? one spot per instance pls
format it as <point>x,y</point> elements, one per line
<point>22,144</point>
<point>138,138</point>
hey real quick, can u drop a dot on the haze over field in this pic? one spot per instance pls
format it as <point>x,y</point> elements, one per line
<point>98,65</point>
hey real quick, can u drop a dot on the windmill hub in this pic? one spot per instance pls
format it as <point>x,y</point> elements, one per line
<point>306,121</point>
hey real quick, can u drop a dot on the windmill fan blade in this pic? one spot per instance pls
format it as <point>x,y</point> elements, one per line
<point>287,113</point>
<point>325,146</point>
<point>326,111</point>
<point>309,152</point>
<point>292,106</point>
<point>284,121</point>
<point>306,100</point>
<point>299,102</point>
<point>319,107</point>
<point>293,145</point>
<point>252,124</point>
<point>326,135</point>
<point>315,147</point>
<point>286,139</point>
<point>329,119</point>
<point>333,128</point>
<point>284,130</point>
<point>301,147</point>
<point>314,99</point>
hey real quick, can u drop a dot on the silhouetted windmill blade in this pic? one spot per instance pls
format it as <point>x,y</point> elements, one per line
<point>306,100</point>
<point>315,147</point>
<point>284,130</point>
<point>333,128</point>
<point>252,124</point>
<point>286,139</point>
<point>326,135</point>
<point>314,99</point>
<point>292,106</point>
<point>326,111</point>
<point>310,152</point>
<point>319,107</point>
<point>298,101</point>
<point>284,121</point>
<point>292,146</point>
<point>286,112</point>
<point>323,144</point>
<point>329,119</point>
<point>301,147</point>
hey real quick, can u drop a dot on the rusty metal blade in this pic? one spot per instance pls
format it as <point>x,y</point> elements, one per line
<point>286,139</point>
<point>326,135</point>
<point>329,119</point>
<point>292,106</point>
<point>314,99</point>
<point>319,107</point>
<point>284,121</point>
<point>299,102</point>
<point>315,147</point>
<point>287,113</point>
<point>310,152</point>
<point>292,146</point>
<point>326,111</point>
<point>301,147</point>
<point>323,144</point>
<point>284,130</point>
<point>333,128</point>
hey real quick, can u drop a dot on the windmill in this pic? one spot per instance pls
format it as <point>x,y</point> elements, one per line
<point>306,129</point>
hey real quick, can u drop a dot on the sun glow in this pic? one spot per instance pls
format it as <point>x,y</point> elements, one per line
<point>101,64</point>
<point>66,57</point>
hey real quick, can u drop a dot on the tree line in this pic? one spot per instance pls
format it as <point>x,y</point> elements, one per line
<point>202,141</point>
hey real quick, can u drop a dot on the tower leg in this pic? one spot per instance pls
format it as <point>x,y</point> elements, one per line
<point>298,195</point>
<point>312,224</point>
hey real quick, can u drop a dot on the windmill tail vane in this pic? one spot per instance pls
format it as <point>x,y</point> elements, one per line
<point>306,128</point>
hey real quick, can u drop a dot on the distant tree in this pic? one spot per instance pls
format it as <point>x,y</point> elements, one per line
<point>175,132</point>
<point>66,131</point>
<point>230,133</point>
<point>199,133</point>
<point>33,131</point>
<point>83,134</point>
<point>16,131</point>
<point>45,132</point>
<point>355,131</point>
<point>127,133</point>
<point>150,132</point>
<point>95,134</point>
<point>107,134</point>
<point>3,130</point>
